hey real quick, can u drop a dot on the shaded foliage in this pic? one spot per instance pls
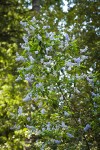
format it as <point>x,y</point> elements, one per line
<point>83,17</point>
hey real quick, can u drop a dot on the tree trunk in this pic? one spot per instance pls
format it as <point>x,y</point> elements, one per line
<point>36,5</point>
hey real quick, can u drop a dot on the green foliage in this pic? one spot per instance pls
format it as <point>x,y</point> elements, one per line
<point>62,100</point>
<point>54,102</point>
<point>10,92</point>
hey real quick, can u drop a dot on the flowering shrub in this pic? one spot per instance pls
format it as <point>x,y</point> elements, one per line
<point>61,98</point>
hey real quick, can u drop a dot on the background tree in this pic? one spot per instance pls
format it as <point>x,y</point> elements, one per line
<point>10,93</point>
<point>83,20</point>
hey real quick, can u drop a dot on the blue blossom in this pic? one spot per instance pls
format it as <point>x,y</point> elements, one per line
<point>36,52</point>
<point>50,35</point>
<point>76,90</point>
<point>36,98</point>
<point>37,132</point>
<point>95,105</point>
<point>79,120</point>
<point>90,80</point>
<point>70,135</point>
<point>20,110</point>
<point>39,37</point>
<point>63,70</point>
<point>31,59</point>
<point>32,28</point>
<point>27,29</point>
<point>30,127</point>
<point>63,125</point>
<point>61,97</point>
<point>43,111</point>
<point>61,45</point>
<point>19,58</point>
<point>38,85</point>
<point>57,141</point>
<point>47,34</point>
<point>29,77</point>
<point>83,57</point>
<point>40,105</point>
<point>84,50</point>
<point>25,39</point>
<point>29,68</point>
<point>23,23</point>
<point>93,94</point>
<point>28,97</point>
<point>33,108</point>
<point>18,78</point>
<point>77,60</point>
<point>48,126</point>
<point>87,127</point>
<point>67,37</point>
<point>17,127</point>
<point>42,60</point>
<point>28,118</point>
<point>69,64</point>
<point>33,19</point>
<point>27,48</point>
<point>47,50</point>
<point>43,129</point>
<point>48,57</point>
<point>66,113</point>
<point>46,27</point>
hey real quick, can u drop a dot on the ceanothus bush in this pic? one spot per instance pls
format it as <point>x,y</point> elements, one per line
<point>61,98</point>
